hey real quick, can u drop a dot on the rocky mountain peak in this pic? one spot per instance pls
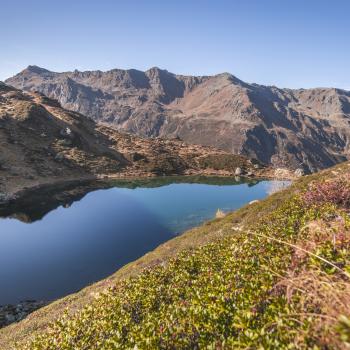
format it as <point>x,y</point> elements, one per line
<point>36,70</point>
<point>296,128</point>
<point>156,71</point>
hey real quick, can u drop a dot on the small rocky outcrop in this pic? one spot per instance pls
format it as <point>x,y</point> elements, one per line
<point>299,172</point>
<point>219,214</point>
<point>66,132</point>
<point>238,171</point>
<point>14,313</point>
<point>283,173</point>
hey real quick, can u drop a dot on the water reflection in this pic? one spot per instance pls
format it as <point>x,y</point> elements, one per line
<point>35,204</point>
<point>82,234</point>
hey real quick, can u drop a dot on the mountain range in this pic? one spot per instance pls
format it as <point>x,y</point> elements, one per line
<point>42,143</point>
<point>294,128</point>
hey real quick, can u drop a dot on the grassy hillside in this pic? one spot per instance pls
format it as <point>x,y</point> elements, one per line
<point>273,275</point>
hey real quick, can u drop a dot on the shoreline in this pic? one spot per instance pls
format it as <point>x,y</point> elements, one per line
<point>9,313</point>
<point>20,191</point>
<point>39,319</point>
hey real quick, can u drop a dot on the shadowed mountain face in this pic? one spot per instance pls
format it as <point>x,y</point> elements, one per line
<point>307,129</point>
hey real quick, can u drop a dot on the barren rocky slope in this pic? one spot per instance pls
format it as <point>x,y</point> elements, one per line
<point>42,143</point>
<point>295,128</point>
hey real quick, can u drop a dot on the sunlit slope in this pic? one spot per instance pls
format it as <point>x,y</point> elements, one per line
<point>273,275</point>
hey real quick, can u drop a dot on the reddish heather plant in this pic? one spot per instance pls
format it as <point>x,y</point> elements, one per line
<point>335,192</point>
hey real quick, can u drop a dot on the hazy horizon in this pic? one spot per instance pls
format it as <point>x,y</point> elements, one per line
<point>294,44</point>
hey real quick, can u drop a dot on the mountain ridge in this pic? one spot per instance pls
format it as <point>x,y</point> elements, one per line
<point>41,144</point>
<point>298,128</point>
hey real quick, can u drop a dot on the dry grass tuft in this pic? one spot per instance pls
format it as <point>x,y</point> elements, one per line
<point>324,299</point>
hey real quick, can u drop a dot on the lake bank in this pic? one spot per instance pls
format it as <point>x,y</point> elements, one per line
<point>19,188</point>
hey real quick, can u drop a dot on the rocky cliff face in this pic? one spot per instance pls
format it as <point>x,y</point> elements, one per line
<point>307,129</point>
<point>40,142</point>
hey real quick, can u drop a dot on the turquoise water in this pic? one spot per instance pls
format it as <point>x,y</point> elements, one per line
<point>71,247</point>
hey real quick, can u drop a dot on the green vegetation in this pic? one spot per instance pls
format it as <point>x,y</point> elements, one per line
<point>274,275</point>
<point>223,162</point>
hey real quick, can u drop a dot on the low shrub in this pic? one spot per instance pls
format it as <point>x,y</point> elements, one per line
<point>281,284</point>
<point>335,191</point>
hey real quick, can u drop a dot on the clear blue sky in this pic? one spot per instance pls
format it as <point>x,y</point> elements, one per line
<point>288,43</point>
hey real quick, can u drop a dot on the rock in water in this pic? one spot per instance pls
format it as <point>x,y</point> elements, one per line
<point>219,214</point>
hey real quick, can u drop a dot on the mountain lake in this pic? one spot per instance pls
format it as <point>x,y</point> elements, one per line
<point>53,244</point>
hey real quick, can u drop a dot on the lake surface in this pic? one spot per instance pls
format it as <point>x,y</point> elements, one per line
<point>56,245</point>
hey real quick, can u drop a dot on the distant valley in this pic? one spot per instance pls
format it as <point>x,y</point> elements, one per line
<point>304,128</point>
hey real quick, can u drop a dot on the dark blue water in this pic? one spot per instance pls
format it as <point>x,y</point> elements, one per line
<point>72,247</point>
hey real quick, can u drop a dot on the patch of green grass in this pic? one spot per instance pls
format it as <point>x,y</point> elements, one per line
<point>226,293</point>
<point>222,162</point>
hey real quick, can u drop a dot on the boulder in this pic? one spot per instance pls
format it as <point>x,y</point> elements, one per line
<point>3,197</point>
<point>59,157</point>
<point>299,172</point>
<point>10,318</point>
<point>134,156</point>
<point>66,132</point>
<point>219,214</point>
<point>238,171</point>
<point>282,173</point>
